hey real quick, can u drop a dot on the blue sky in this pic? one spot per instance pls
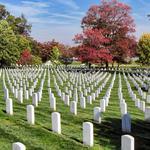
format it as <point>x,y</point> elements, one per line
<point>61,19</point>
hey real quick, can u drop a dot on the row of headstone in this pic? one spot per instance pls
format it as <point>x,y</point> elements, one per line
<point>97,113</point>
<point>140,91</point>
<point>138,103</point>
<point>127,141</point>
<point>126,119</point>
<point>19,93</point>
<point>66,97</point>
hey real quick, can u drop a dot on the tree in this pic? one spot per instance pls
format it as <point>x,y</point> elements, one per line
<point>25,57</point>
<point>9,52</point>
<point>144,48</point>
<point>46,48</point>
<point>23,43</point>
<point>3,12</point>
<point>19,25</point>
<point>93,49</point>
<point>107,25</point>
<point>36,60</point>
<point>67,55</point>
<point>34,45</point>
<point>55,54</point>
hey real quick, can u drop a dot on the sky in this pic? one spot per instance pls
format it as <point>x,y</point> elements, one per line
<point>61,19</point>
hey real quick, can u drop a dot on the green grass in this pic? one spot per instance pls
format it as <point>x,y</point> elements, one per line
<point>107,135</point>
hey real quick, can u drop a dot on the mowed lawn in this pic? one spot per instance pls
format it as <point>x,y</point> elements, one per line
<point>107,135</point>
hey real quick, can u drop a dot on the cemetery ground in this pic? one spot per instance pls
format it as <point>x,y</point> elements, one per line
<point>107,134</point>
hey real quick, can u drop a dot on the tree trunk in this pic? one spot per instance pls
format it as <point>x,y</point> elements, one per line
<point>113,64</point>
<point>106,64</point>
<point>118,65</point>
<point>89,65</point>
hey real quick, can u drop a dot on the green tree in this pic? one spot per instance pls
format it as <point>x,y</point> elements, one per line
<point>23,43</point>
<point>9,52</point>
<point>34,45</point>
<point>3,12</point>
<point>36,60</point>
<point>144,48</point>
<point>55,54</point>
<point>19,24</point>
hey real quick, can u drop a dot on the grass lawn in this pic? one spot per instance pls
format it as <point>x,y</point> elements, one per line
<point>107,135</point>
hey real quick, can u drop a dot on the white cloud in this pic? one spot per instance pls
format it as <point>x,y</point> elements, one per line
<point>27,10</point>
<point>66,16</point>
<point>69,3</point>
<point>36,4</point>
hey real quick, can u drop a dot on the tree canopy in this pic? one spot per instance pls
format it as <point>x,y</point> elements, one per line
<point>9,52</point>
<point>107,32</point>
<point>144,48</point>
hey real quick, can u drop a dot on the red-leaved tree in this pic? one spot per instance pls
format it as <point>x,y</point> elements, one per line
<point>45,49</point>
<point>107,32</point>
<point>25,57</point>
<point>92,48</point>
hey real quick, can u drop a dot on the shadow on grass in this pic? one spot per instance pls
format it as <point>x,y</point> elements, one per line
<point>109,133</point>
<point>141,133</point>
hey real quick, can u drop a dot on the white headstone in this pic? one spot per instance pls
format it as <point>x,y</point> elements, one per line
<point>30,114</point>
<point>39,94</point>
<point>137,103</point>
<point>97,114</point>
<point>67,101</point>
<point>127,142</point>
<point>56,122</point>
<point>52,102</point>
<point>102,105</point>
<point>70,93</point>
<point>16,93</point>
<point>142,106</point>
<point>20,96</point>
<point>73,107</point>
<point>35,99</point>
<point>89,99</point>
<point>93,96</point>
<point>63,96</point>
<point>148,98</point>
<point>30,91</point>
<point>123,108</point>
<point>26,94</point>
<point>144,95</point>
<point>83,103</point>
<point>147,114</point>
<point>18,146</point>
<point>9,106</point>
<point>88,137</point>
<point>6,92</point>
